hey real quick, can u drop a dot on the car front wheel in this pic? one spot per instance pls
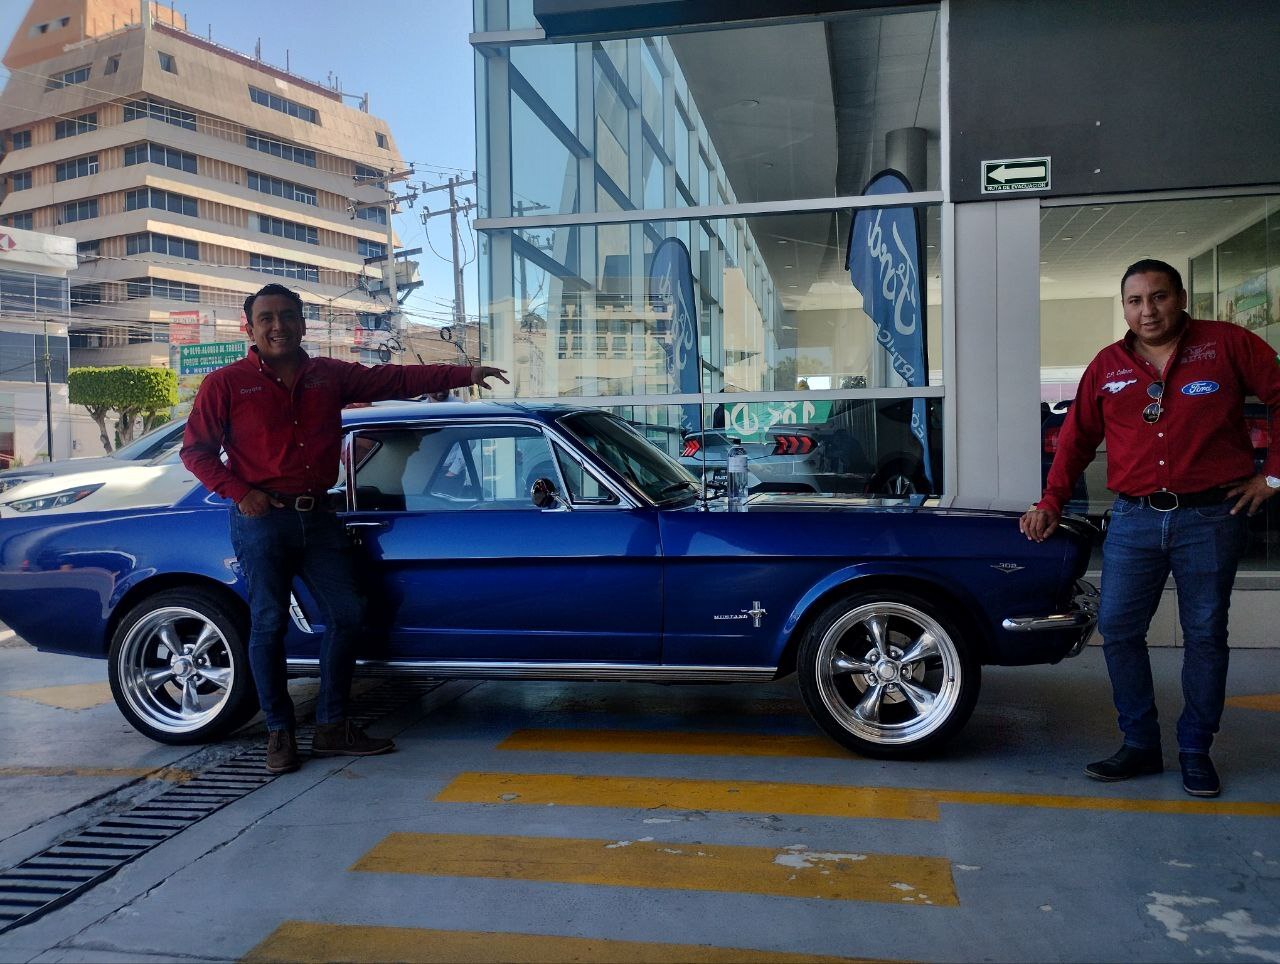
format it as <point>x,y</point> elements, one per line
<point>887,674</point>
<point>179,668</point>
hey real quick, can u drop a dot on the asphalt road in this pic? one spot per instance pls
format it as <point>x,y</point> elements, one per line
<point>602,822</point>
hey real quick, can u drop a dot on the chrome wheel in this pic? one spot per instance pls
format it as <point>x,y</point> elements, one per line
<point>176,670</point>
<point>885,676</point>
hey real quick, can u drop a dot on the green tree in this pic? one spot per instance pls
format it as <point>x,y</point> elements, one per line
<point>130,392</point>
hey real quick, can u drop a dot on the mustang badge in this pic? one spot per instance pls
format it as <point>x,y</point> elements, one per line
<point>1117,386</point>
<point>754,614</point>
<point>1008,567</point>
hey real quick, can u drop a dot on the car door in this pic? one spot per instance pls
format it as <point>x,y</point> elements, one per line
<point>463,566</point>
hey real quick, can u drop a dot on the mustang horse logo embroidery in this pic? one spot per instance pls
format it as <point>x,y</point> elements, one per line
<point>1115,387</point>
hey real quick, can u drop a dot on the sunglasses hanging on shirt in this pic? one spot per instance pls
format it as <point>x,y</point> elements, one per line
<point>1151,414</point>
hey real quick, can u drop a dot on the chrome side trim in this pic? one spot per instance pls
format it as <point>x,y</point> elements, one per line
<point>1032,624</point>
<point>474,669</point>
<point>1083,615</point>
<point>299,618</point>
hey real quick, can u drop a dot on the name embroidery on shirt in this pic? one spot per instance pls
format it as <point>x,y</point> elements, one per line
<point>1196,353</point>
<point>1118,373</point>
<point>250,391</point>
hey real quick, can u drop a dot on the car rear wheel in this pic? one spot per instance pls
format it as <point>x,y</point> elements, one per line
<point>887,674</point>
<point>179,668</point>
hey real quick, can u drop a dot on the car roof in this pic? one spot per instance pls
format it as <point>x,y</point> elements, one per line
<point>416,411</point>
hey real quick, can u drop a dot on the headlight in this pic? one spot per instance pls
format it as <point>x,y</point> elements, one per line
<point>53,500</point>
<point>7,482</point>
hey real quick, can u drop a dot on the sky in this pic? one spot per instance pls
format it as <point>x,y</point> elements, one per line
<point>413,59</point>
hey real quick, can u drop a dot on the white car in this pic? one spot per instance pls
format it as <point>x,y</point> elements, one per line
<point>162,481</point>
<point>144,449</point>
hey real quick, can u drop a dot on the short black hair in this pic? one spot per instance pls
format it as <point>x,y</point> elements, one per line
<point>271,289</point>
<point>1153,266</point>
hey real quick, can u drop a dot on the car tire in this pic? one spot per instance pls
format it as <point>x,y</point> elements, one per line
<point>899,478</point>
<point>903,697</point>
<point>198,695</point>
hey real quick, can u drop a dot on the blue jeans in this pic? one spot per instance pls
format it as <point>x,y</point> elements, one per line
<point>272,549</point>
<point>1202,548</point>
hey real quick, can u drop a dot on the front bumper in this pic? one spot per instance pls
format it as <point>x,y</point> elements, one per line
<point>1082,616</point>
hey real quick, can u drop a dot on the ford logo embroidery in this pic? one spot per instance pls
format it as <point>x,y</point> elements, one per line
<point>1200,388</point>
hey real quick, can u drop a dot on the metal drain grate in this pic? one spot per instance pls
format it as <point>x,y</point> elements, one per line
<point>61,873</point>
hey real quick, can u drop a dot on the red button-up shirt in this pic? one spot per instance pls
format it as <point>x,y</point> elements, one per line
<point>1200,440</point>
<point>287,441</point>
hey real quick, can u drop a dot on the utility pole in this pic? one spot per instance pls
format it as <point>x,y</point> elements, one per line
<point>48,391</point>
<point>454,210</point>
<point>389,205</point>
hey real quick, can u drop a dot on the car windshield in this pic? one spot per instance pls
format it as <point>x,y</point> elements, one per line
<point>153,443</point>
<point>661,478</point>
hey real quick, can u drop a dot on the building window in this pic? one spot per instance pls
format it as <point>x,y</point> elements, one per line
<point>162,244</point>
<point>284,105</point>
<point>161,288</point>
<point>371,249</point>
<point>23,220</point>
<point>159,154</point>
<point>160,111</point>
<point>382,139</point>
<point>279,188</point>
<point>368,173</point>
<point>153,197</point>
<point>288,229</point>
<point>88,249</point>
<point>289,152</point>
<point>20,140</point>
<point>284,268</point>
<point>77,167</point>
<point>378,214</point>
<point>72,126</point>
<point>77,76</point>
<point>86,295</point>
<point>20,181</point>
<point>167,63</point>
<point>80,210</point>
<point>113,64</point>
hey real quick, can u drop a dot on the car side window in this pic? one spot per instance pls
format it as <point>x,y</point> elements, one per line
<point>583,487</point>
<point>453,468</point>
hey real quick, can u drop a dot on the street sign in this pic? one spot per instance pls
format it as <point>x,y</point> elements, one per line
<point>203,358</point>
<point>1019,174</point>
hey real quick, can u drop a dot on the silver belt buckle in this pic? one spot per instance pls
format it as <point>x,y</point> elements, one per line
<point>304,503</point>
<point>1163,501</point>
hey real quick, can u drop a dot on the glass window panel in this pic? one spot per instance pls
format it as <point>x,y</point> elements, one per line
<point>611,131</point>
<point>654,176</point>
<point>651,102</point>
<point>551,70</point>
<point>545,170</point>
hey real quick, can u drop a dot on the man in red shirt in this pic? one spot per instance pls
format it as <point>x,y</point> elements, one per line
<point>1168,398</point>
<point>277,415</point>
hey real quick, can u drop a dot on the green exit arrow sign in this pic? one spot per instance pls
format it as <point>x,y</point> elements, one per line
<point>1016,174</point>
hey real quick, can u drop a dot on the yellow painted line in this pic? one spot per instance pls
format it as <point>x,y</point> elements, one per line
<point>168,774</point>
<point>893,803</point>
<point>705,744</point>
<point>1262,701</point>
<point>77,696</point>
<point>647,793</point>
<point>311,943</point>
<point>654,864</point>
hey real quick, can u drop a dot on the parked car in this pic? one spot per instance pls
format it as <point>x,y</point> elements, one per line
<point>518,541</point>
<point>143,449</point>
<point>124,485</point>
<point>706,455</point>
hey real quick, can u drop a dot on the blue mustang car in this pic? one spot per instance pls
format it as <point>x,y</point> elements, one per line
<point>516,541</point>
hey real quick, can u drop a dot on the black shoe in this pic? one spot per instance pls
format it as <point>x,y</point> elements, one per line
<point>344,738</point>
<point>1129,761</point>
<point>282,752</point>
<point>1199,778</point>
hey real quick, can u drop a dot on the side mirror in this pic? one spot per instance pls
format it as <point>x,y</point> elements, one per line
<point>544,495</point>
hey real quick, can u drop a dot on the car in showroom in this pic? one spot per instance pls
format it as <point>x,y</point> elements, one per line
<point>514,541</point>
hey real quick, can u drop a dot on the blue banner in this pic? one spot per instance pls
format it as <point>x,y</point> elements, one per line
<point>671,290</point>
<point>885,255</point>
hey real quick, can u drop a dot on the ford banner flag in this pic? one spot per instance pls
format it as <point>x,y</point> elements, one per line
<point>885,255</point>
<point>671,291</point>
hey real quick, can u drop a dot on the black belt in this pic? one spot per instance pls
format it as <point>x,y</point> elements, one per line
<point>306,502</point>
<point>1168,501</point>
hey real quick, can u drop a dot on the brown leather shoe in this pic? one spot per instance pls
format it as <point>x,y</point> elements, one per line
<point>282,752</point>
<point>346,739</point>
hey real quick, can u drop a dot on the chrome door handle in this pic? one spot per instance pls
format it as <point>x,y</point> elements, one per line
<point>366,525</point>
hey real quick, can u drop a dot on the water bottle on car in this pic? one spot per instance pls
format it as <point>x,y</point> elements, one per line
<point>737,477</point>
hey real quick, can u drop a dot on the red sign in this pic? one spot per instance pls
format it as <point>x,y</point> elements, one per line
<point>184,327</point>
<point>7,243</point>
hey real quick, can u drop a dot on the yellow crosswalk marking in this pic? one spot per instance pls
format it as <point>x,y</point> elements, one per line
<point>313,943</point>
<point>648,863</point>
<point>77,696</point>
<point>646,793</point>
<point>641,741</point>
<point>892,803</point>
<point>1261,701</point>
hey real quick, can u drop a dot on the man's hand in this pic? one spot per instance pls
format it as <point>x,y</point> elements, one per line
<point>257,503</point>
<point>1252,492</point>
<point>480,372</point>
<point>1038,524</point>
